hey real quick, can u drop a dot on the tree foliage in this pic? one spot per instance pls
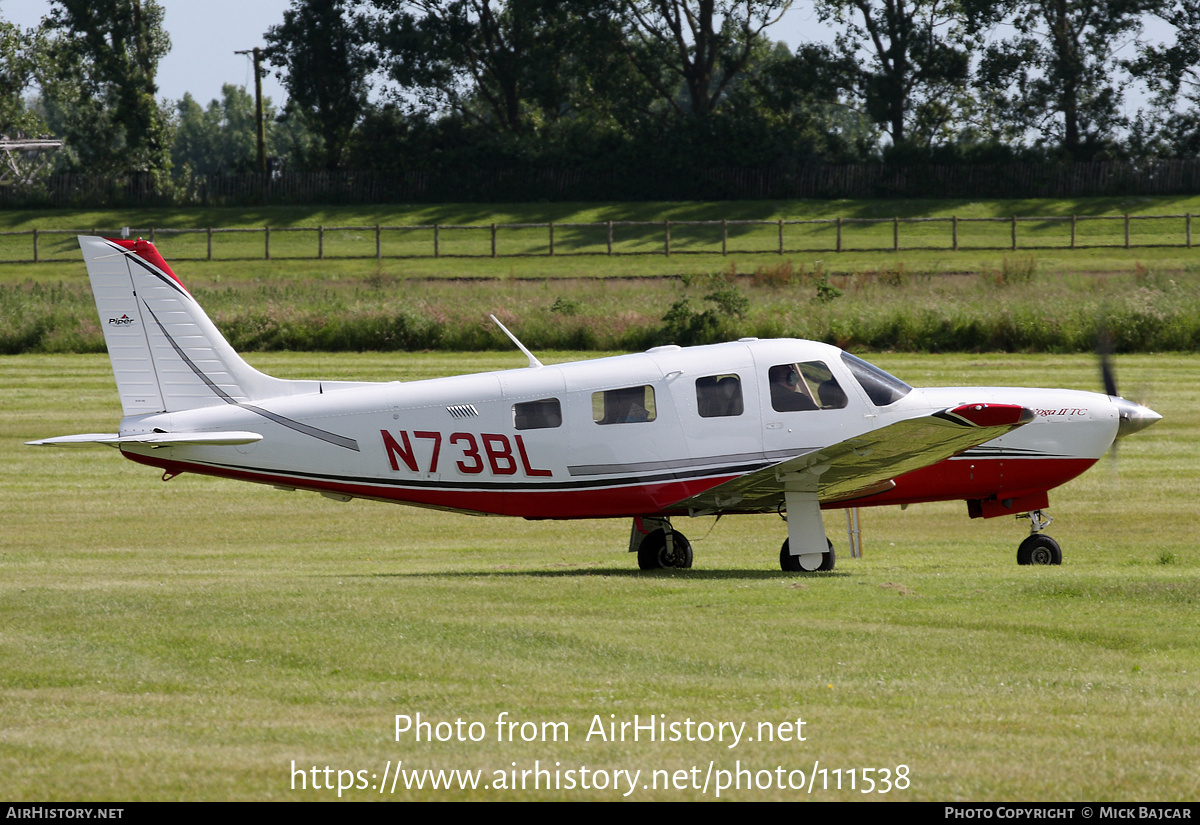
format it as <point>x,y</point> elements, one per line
<point>321,52</point>
<point>22,57</point>
<point>1058,78</point>
<point>222,137</point>
<point>101,94</point>
<point>908,63</point>
<point>699,46</point>
<point>1172,71</point>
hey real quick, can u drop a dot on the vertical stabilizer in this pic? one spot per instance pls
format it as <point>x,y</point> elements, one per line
<point>166,354</point>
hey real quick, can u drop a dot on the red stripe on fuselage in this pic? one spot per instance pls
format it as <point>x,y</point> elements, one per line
<point>977,478</point>
<point>958,479</point>
<point>603,502</point>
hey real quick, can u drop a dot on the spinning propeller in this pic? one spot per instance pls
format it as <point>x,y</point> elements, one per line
<point>1133,417</point>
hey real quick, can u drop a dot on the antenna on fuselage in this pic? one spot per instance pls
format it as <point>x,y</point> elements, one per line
<point>533,362</point>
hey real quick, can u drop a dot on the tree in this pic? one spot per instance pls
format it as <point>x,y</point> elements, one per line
<point>321,52</point>
<point>21,56</point>
<point>699,45</point>
<point>102,97</point>
<point>1172,71</point>
<point>1058,79</point>
<point>507,65</point>
<point>223,136</point>
<point>916,66</point>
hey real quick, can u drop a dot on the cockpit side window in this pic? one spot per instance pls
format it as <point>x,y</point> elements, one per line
<point>806,385</point>
<point>881,387</point>
<point>719,396</point>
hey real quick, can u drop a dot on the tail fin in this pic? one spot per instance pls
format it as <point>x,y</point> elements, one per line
<point>166,354</point>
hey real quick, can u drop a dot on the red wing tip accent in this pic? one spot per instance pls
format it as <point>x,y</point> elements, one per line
<point>148,253</point>
<point>993,415</point>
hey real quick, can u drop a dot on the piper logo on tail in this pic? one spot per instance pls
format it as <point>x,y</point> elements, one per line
<point>123,321</point>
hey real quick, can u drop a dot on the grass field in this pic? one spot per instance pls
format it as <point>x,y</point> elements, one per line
<point>198,639</point>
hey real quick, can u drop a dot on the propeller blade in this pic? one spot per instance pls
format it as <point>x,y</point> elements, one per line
<point>1104,349</point>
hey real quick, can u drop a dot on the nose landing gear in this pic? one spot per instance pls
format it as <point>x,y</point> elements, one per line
<point>1037,548</point>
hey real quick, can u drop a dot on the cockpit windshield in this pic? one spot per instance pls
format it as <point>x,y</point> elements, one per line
<point>881,387</point>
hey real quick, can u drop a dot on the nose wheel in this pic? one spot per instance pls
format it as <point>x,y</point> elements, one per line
<point>1038,548</point>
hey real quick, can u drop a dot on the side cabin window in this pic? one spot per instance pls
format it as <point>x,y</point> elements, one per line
<point>624,406</point>
<point>807,385</point>
<point>537,415</point>
<point>718,396</point>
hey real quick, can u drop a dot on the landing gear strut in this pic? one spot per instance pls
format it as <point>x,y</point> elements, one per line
<point>1038,549</point>
<point>805,531</point>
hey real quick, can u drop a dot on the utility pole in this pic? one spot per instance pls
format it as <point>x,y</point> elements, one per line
<point>258,108</point>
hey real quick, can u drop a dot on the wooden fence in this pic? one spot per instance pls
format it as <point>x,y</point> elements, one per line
<point>616,181</point>
<point>724,237</point>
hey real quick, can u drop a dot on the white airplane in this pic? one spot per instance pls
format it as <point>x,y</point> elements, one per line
<point>744,427</point>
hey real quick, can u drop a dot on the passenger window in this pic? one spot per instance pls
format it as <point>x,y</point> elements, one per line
<point>718,396</point>
<point>537,415</point>
<point>624,406</point>
<point>807,385</point>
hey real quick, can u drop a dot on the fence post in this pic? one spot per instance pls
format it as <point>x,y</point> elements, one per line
<point>667,238</point>
<point>610,238</point>
<point>724,235</point>
<point>35,249</point>
<point>954,232</point>
<point>551,239</point>
<point>1126,230</point>
<point>896,234</point>
<point>436,239</point>
<point>1014,232</point>
<point>152,234</point>
<point>493,239</point>
<point>1072,231</point>
<point>1188,229</point>
<point>839,233</point>
<point>209,231</point>
<point>378,244</point>
<point>781,236</point>
<point>267,243</point>
<point>320,242</point>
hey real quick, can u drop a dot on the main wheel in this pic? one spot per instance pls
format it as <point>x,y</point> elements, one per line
<point>654,555</point>
<point>1039,549</point>
<point>810,563</point>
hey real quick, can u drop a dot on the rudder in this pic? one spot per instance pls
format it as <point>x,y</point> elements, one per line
<point>166,354</point>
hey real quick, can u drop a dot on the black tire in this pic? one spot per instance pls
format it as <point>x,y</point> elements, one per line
<point>791,564</point>
<point>1039,549</point>
<point>653,555</point>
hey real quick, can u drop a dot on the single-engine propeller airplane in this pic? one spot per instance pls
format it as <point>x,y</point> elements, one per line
<point>751,426</point>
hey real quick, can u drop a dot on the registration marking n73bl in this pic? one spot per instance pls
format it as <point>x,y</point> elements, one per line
<point>472,454</point>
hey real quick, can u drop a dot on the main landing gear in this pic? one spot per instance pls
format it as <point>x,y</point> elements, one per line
<point>808,563</point>
<point>1038,549</point>
<point>658,545</point>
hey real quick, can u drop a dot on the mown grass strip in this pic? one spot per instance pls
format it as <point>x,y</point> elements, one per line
<point>190,640</point>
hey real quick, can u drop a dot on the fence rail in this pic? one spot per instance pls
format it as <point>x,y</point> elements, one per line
<point>725,237</point>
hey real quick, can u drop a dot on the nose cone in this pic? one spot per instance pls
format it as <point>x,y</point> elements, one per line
<point>1133,417</point>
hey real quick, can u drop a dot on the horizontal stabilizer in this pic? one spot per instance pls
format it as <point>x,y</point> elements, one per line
<point>226,439</point>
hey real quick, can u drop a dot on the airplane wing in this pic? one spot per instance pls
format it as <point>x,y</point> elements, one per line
<point>867,463</point>
<point>153,439</point>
